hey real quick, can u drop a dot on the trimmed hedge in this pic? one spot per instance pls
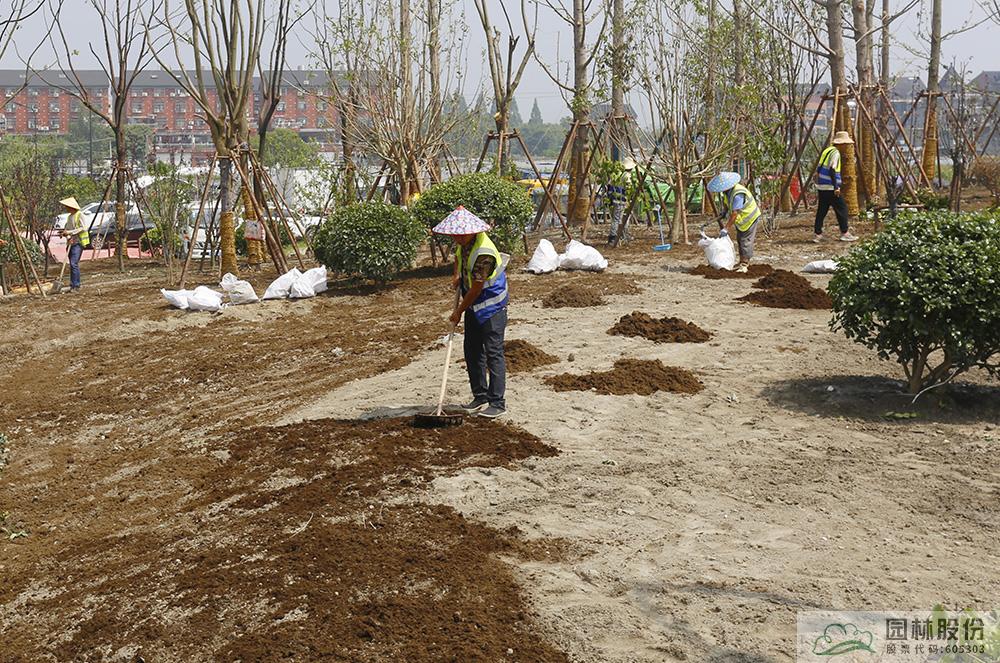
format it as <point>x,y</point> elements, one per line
<point>371,240</point>
<point>503,204</point>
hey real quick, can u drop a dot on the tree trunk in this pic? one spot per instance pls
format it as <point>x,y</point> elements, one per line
<point>709,93</point>
<point>502,121</point>
<point>227,229</point>
<point>618,73</point>
<point>929,156</point>
<point>579,193</point>
<point>838,80</point>
<point>406,96</point>
<point>350,195</point>
<point>121,160</point>
<point>863,45</point>
<point>680,209</point>
<point>886,111</point>
<point>434,66</point>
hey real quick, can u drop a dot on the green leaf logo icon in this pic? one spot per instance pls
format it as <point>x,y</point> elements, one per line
<point>840,639</point>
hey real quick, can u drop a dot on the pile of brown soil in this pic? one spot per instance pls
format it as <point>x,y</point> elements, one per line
<point>572,296</point>
<point>784,289</point>
<point>663,330</point>
<point>522,356</point>
<point>631,376</point>
<point>304,543</point>
<point>753,272</point>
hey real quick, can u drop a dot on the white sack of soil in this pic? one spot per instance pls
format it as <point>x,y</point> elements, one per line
<point>545,259</point>
<point>240,292</point>
<point>177,298</point>
<point>205,299</point>
<point>581,256</point>
<point>280,287</point>
<point>719,252</point>
<point>309,284</point>
<point>821,267</point>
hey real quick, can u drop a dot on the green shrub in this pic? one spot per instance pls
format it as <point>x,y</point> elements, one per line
<point>501,203</point>
<point>8,252</point>
<point>923,293</point>
<point>371,240</point>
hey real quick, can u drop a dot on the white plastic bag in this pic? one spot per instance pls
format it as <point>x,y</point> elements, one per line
<point>176,298</point>
<point>719,252</point>
<point>544,260</point>
<point>581,256</point>
<point>821,267</point>
<point>280,286</point>
<point>310,283</point>
<point>240,292</point>
<point>205,299</point>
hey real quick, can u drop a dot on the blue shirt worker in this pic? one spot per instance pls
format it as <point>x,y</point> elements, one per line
<point>828,183</point>
<point>738,208</point>
<point>481,280</point>
<point>77,239</point>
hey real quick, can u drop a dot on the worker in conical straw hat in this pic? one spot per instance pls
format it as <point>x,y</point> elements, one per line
<point>77,239</point>
<point>738,208</point>
<point>828,182</point>
<point>481,280</point>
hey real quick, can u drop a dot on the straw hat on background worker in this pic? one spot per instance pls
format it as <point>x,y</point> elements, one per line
<point>842,138</point>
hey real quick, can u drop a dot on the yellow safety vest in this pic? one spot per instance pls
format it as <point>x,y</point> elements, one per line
<point>482,245</point>
<point>747,216</point>
<point>74,222</point>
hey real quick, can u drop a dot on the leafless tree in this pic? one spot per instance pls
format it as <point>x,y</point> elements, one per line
<point>125,53</point>
<point>223,39</point>
<point>505,69</point>
<point>577,90</point>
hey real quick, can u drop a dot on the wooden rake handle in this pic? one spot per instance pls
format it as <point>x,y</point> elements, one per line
<point>447,361</point>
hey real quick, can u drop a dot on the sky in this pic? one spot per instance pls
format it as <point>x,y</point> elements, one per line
<point>975,48</point>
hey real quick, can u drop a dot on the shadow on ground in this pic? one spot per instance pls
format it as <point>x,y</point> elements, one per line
<point>877,398</point>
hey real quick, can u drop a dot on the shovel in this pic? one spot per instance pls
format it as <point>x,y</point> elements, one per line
<point>439,418</point>
<point>58,285</point>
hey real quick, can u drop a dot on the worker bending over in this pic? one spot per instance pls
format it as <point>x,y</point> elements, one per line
<point>738,208</point>
<point>481,279</point>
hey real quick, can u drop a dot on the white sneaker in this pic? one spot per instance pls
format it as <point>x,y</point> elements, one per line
<point>817,239</point>
<point>848,237</point>
<point>741,268</point>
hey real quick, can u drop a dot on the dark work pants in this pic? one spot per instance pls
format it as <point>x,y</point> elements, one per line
<point>484,355</point>
<point>75,251</point>
<point>828,199</point>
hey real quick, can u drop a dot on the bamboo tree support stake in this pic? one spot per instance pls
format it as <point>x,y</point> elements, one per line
<point>19,247</point>
<point>486,147</point>
<point>273,243</point>
<point>100,212</point>
<point>632,145</point>
<point>260,172</point>
<point>958,124</point>
<point>799,154</point>
<point>925,181</point>
<point>552,184</point>
<point>642,177</point>
<point>279,197</point>
<point>22,263</point>
<point>197,221</point>
<point>538,175</point>
<point>881,141</point>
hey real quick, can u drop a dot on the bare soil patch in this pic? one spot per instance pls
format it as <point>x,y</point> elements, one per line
<point>304,543</point>
<point>523,356</point>
<point>661,330</point>
<point>784,289</point>
<point>631,376</point>
<point>753,272</point>
<point>573,296</point>
<point>532,286</point>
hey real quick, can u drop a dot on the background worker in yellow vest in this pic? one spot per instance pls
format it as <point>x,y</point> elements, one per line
<point>828,183</point>
<point>77,239</point>
<point>481,279</point>
<point>738,208</point>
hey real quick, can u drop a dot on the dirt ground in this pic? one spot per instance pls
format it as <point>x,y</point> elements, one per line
<point>197,487</point>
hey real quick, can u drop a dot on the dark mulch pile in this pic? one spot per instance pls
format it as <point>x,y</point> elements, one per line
<point>662,330</point>
<point>522,356</point>
<point>753,272</point>
<point>631,376</point>
<point>784,289</point>
<point>573,296</point>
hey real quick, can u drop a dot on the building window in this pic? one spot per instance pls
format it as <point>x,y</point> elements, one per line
<point>31,123</point>
<point>53,106</point>
<point>157,92</point>
<point>32,108</point>
<point>136,107</point>
<point>321,106</point>
<point>301,105</point>
<point>54,93</point>
<point>32,92</point>
<point>281,107</point>
<point>12,120</point>
<point>180,107</point>
<point>55,123</point>
<point>157,106</point>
